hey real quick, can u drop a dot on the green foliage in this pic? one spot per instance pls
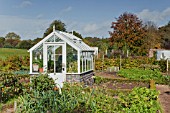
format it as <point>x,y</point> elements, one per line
<point>2,41</point>
<point>76,98</point>
<point>162,64</point>
<point>135,73</point>
<point>25,44</point>
<point>11,86</point>
<point>59,25</point>
<point>77,34</point>
<point>12,35</point>
<point>42,83</point>
<point>140,100</point>
<point>14,63</point>
<point>127,63</point>
<point>6,52</point>
<point>141,74</point>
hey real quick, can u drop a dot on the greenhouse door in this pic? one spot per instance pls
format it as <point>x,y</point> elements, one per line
<point>55,61</point>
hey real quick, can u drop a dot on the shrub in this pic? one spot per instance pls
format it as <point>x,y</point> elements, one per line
<point>14,63</point>
<point>140,100</point>
<point>11,86</point>
<point>42,83</point>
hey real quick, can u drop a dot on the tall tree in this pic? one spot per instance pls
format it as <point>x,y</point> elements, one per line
<point>128,32</point>
<point>2,41</point>
<point>77,34</point>
<point>25,44</point>
<point>152,36</point>
<point>58,26</point>
<point>164,31</point>
<point>12,35</point>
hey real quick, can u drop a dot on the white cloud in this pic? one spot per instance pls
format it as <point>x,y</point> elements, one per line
<point>90,28</point>
<point>39,16</point>
<point>24,4</point>
<point>95,29</point>
<point>26,28</point>
<point>31,28</point>
<point>155,16</point>
<point>67,9</point>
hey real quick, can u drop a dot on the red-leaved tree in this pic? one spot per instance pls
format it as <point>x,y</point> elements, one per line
<point>128,33</point>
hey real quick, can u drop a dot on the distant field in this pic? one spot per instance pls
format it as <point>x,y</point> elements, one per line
<point>5,52</point>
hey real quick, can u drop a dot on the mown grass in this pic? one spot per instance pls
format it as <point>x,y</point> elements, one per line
<point>7,52</point>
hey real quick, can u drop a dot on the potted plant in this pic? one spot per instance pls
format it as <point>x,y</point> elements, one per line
<point>35,66</point>
<point>40,66</point>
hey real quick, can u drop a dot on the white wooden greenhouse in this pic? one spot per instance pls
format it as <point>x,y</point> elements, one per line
<point>64,57</point>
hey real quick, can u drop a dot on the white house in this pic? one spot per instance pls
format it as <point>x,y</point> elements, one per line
<point>64,57</point>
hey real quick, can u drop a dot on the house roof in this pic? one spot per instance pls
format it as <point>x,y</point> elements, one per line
<point>70,39</point>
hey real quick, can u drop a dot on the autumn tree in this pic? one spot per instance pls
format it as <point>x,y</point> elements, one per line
<point>128,33</point>
<point>152,35</point>
<point>58,26</point>
<point>164,31</point>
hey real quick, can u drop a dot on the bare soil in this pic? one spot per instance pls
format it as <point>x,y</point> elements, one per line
<point>164,97</point>
<point>111,75</point>
<point>117,84</point>
<point>8,108</point>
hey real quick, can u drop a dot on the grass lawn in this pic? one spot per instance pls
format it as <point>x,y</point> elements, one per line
<point>6,52</point>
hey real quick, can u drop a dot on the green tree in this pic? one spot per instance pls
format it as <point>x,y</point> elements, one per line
<point>58,26</point>
<point>35,41</point>
<point>128,33</point>
<point>25,44</point>
<point>2,41</point>
<point>12,35</point>
<point>77,34</point>
<point>11,43</point>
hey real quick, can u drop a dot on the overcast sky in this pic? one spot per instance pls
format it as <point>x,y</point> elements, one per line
<point>30,18</point>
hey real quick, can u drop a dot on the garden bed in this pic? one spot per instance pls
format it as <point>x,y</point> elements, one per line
<point>120,83</point>
<point>124,85</point>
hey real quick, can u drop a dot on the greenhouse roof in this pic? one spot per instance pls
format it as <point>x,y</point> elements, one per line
<point>70,39</point>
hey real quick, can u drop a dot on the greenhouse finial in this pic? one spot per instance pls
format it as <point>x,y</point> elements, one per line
<point>53,28</point>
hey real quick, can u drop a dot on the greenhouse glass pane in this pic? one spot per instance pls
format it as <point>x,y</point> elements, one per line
<point>72,65</point>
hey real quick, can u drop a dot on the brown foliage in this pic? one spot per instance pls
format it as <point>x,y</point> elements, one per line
<point>128,31</point>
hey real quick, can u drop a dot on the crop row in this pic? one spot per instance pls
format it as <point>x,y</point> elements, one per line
<point>127,63</point>
<point>76,98</point>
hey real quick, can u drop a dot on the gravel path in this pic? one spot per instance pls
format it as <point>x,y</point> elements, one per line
<point>164,97</point>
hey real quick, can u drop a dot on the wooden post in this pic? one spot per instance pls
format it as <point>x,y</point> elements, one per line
<point>167,65</point>
<point>103,63</point>
<point>120,63</point>
<point>15,106</point>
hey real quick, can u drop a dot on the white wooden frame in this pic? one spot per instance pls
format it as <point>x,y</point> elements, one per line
<point>73,41</point>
